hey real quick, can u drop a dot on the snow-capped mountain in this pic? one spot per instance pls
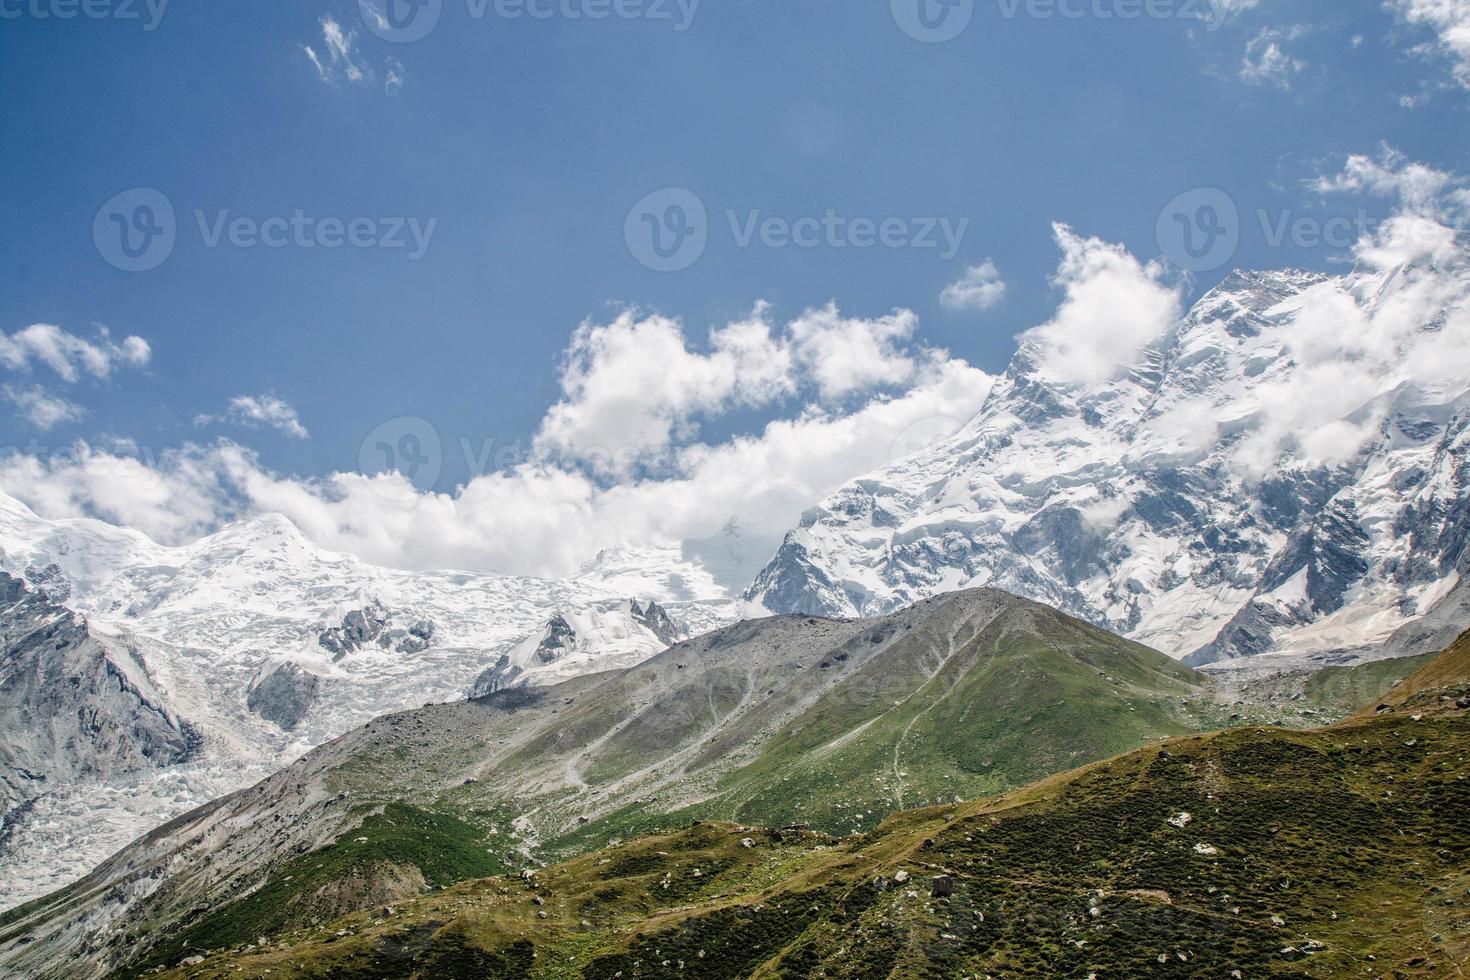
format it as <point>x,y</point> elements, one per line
<point>261,645</point>
<point>1154,504</point>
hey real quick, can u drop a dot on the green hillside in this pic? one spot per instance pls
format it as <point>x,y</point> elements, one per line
<point>1337,852</point>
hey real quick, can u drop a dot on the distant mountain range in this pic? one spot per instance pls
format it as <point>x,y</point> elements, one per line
<point>187,673</point>
<point>826,722</point>
<point>1125,501</point>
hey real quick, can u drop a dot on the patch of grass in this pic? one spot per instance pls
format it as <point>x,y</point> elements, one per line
<point>396,847</point>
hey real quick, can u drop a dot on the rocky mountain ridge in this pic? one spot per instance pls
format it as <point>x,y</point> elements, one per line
<point>1140,502</point>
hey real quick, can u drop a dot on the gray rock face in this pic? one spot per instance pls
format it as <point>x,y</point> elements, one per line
<point>559,638</point>
<point>658,622</point>
<point>500,677</point>
<point>373,625</point>
<point>284,696</point>
<point>72,705</point>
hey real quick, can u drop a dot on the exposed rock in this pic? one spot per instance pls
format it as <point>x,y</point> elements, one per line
<point>658,622</point>
<point>74,705</point>
<point>502,676</point>
<point>284,696</point>
<point>559,638</point>
<point>373,624</point>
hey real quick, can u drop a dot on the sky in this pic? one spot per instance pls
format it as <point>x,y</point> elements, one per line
<point>597,273</point>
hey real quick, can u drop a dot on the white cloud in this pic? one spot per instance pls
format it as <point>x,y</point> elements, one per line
<point>980,288</point>
<point>630,388</point>
<point>1360,347</point>
<point>1112,307</point>
<point>845,356</point>
<point>550,515</point>
<point>41,408</point>
<point>68,355</point>
<point>1432,206</point>
<point>253,410</point>
<point>634,388</point>
<point>339,60</point>
<point>173,498</point>
<point>1266,60</point>
<point>1450,22</point>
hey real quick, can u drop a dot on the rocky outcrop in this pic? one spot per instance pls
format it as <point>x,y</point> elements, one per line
<point>657,621</point>
<point>284,696</point>
<point>372,625</point>
<point>73,705</point>
<point>499,677</point>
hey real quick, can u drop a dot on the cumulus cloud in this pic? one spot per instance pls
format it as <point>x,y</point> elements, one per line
<point>634,388</point>
<point>68,355</point>
<point>173,498</point>
<point>980,288</point>
<point>1432,205</point>
<point>1450,22</point>
<point>1112,307</point>
<point>41,408</point>
<point>1267,62</point>
<point>537,518</point>
<point>844,356</point>
<point>255,410</point>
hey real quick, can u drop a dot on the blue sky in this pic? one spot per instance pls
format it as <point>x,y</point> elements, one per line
<point>517,148</point>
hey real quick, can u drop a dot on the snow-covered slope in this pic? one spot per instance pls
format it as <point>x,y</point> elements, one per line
<point>266,646</point>
<point>1143,504</point>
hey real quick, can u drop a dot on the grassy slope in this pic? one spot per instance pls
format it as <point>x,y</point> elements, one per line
<point>1036,694</point>
<point>1007,708</point>
<point>1332,846</point>
<point>1445,677</point>
<point>1343,690</point>
<point>1339,851</point>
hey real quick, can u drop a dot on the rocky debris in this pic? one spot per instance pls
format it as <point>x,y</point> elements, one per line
<point>284,696</point>
<point>1181,820</point>
<point>1206,850</point>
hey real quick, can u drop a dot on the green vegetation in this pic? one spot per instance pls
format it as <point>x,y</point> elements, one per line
<point>394,853</point>
<point>1333,852</point>
<point>1344,690</point>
